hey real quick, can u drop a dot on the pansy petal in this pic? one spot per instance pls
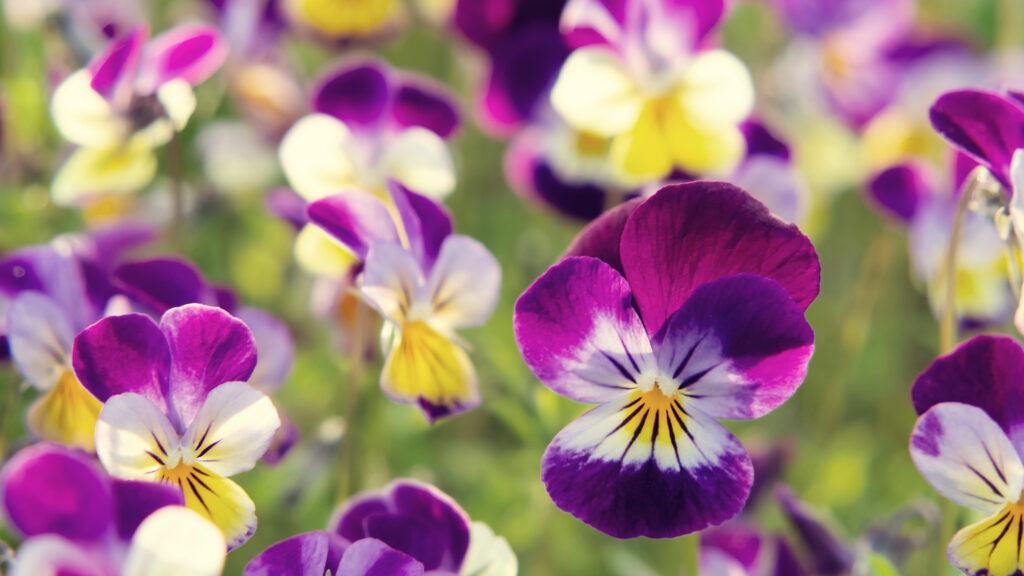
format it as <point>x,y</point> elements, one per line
<point>133,437</point>
<point>356,94</point>
<point>423,103</point>
<point>717,230</point>
<point>966,457</point>
<point>594,93</point>
<point>370,557</point>
<point>644,151</point>
<point>982,372</point>
<point>577,330</point>
<point>208,348</point>
<point>175,541</point>
<point>112,170</point>
<point>48,489</point>
<point>82,116</point>
<point>739,346</point>
<point>643,466</point>
<point>900,190</point>
<point>315,157</point>
<point>356,219</point>
<point>233,429</point>
<point>135,500</point>
<point>716,91</point>
<point>39,336</point>
<point>465,283</point>
<point>163,283</point>
<point>192,52</point>
<point>317,252</point>
<point>217,499</point>
<point>488,554</point>
<point>302,555</point>
<point>55,556</point>
<point>984,125</point>
<point>390,279</point>
<point>274,345</point>
<point>349,520</point>
<point>123,354</point>
<point>586,22</point>
<point>66,414</point>
<point>433,508</point>
<point>602,238</point>
<point>113,70</point>
<point>427,223</point>
<point>421,161</point>
<point>829,554</point>
<point>990,547</point>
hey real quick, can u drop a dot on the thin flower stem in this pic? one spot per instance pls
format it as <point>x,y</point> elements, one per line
<point>349,448</point>
<point>175,169</point>
<point>691,555</point>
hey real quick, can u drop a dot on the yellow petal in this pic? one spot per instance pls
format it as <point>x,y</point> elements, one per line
<point>426,366</point>
<point>346,17</point>
<point>217,499</point>
<point>992,546</point>
<point>643,151</point>
<point>93,171</point>
<point>66,414</point>
<point>320,254</point>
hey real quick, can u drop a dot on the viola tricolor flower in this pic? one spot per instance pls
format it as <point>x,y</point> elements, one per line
<point>371,124</point>
<point>668,313</point>
<point>642,75</point>
<point>131,98</point>
<point>77,520</point>
<point>736,550</point>
<point>426,283</point>
<point>176,407</point>
<point>968,445</point>
<point>407,529</point>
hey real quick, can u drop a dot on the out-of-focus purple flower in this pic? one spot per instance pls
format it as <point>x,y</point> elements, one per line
<point>829,554</point>
<point>406,529</point>
<point>651,317</point>
<point>77,520</point>
<point>736,550</point>
<point>176,408</point>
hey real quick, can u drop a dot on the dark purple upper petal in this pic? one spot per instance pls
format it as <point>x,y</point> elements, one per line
<point>371,557</point>
<point>482,22</point>
<point>985,371</point>
<point>135,500</point>
<point>982,124</point>
<point>737,540</point>
<point>828,553</point>
<point>122,354</point>
<point>113,70</point>
<point>354,218</point>
<point>350,521</point>
<point>690,234</point>
<point>358,93</point>
<point>421,102</point>
<point>163,283</point>
<point>524,65</point>
<point>761,141</point>
<point>900,190</point>
<point>303,555</point>
<point>288,206</point>
<point>49,489</point>
<point>602,238</point>
<point>427,223</point>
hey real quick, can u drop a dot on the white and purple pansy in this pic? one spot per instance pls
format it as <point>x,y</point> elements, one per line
<point>967,444</point>
<point>668,313</point>
<point>426,283</point>
<point>131,98</point>
<point>176,406</point>
<point>77,520</point>
<point>407,529</point>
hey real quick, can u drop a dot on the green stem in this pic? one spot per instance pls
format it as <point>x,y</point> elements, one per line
<point>175,169</point>
<point>691,555</point>
<point>355,373</point>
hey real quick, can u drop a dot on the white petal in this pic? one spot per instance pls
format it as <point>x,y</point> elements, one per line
<point>420,160</point>
<point>390,280</point>
<point>464,284</point>
<point>175,541</point>
<point>967,457</point>
<point>318,253</point>
<point>133,437</point>
<point>83,117</point>
<point>716,90</point>
<point>39,336</point>
<point>51,555</point>
<point>1017,200</point>
<point>233,429</point>
<point>488,554</point>
<point>315,156</point>
<point>178,100</point>
<point>594,94</point>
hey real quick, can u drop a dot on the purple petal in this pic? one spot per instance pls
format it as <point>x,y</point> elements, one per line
<point>577,330</point>
<point>597,470</point>
<point>135,500</point>
<point>582,201</point>
<point>303,555</point>
<point>963,165</point>
<point>985,372</point>
<point>482,22</point>
<point>761,141</point>
<point>357,93</point>
<point>371,557</point>
<point>603,237</point>
<point>589,22</point>
<point>286,437</point>
<point>736,540</point>
<point>356,219</point>
<point>163,283</point>
<point>18,271</point>
<point>829,555</point>
<point>113,70</point>
<point>274,346</point>
<point>192,52</point>
<point>54,273</point>
<point>288,206</point>
<point>350,520</point>
<point>524,65</point>
<point>899,191</point>
<point>123,354</point>
<point>690,234</point>
<point>739,345</point>
<point>786,562</point>
<point>427,223</point>
<point>409,536</point>
<point>446,522</point>
<point>419,101</point>
<point>49,489</point>
<point>208,347</point>
<point>984,125</point>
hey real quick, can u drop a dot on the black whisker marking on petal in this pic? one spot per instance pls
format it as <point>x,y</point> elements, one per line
<point>682,425</point>
<point>631,404</point>
<point>201,473</point>
<point>654,433</point>
<point>158,444</point>
<point>626,420</point>
<point>986,481</point>
<point>629,355</point>
<point>1020,534</point>
<point>618,366</point>
<point>207,449</point>
<point>994,465</point>
<point>686,360</point>
<point>203,439</point>
<point>155,457</point>
<point>694,378</point>
<point>995,543</point>
<point>636,433</point>
<point>679,405</point>
<point>198,496</point>
<point>201,483</point>
<point>672,437</point>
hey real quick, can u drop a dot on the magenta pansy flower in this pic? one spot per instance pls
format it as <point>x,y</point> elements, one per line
<point>668,314</point>
<point>77,520</point>
<point>177,408</point>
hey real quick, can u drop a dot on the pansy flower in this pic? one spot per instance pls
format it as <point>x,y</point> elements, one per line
<point>346,22</point>
<point>131,98</point>
<point>176,407</point>
<point>737,550</point>
<point>669,314</point>
<point>407,529</point>
<point>426,283</point>
<point>371,124</point>
<point>967,443</point>
<point>642,76</point>
<point>77,520</point>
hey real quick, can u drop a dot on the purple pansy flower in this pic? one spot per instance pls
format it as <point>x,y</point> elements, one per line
<point>652,317</point>
<point>426,283</point>
<point>176,407</point>
<point>77,520</point>
<point>407,529</point>
<point>967,443</point>
<point>737,550</point>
